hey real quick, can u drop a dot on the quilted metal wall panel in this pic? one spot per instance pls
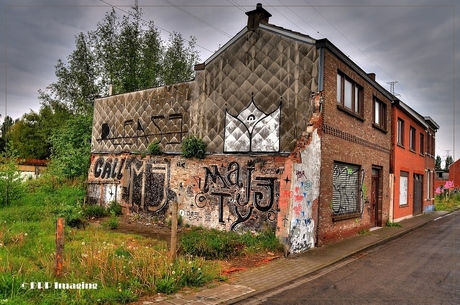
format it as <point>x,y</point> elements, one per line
<point>272,70</point>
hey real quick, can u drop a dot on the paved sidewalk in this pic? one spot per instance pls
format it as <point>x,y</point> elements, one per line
<point>286,271</point>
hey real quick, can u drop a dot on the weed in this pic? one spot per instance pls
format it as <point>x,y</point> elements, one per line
<point>154,148</point>
<point>193,147</point>
<point>215,244</point>
<point>116,208</point>
<point>112,223</point>
<point>94,211</point>
<point>392,224</point>
<point>447,203</point>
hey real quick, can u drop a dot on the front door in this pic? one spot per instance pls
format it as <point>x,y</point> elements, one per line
<point>418,194</point>
<point>375,199</point>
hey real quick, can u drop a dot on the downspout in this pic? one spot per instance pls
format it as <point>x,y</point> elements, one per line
<point>320,89</point>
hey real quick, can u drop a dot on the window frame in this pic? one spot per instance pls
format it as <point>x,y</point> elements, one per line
<point>380,114</point>
<point>412,139</point>
<point>400,132</point>
<point>350,100</point>
<point>347,182</point>
<point>403,193</point>
<point>422,144</point>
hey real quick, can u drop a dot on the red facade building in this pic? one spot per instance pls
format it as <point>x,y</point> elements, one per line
<point>412,162</point>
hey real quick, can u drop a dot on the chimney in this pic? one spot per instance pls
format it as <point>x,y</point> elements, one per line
<point>371,76</point>
<point>257,16</point>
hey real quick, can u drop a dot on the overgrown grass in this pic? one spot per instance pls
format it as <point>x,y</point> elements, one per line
<point>447,203</point>
<point>123,266</point>
<point>216,244</point>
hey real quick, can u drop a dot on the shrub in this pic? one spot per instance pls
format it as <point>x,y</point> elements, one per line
<point>72,213</point>
<point>193,147</point>
<point>94,211</point>
<point>115,208</point>
<point>111,223</point>
<point>154,147</point>
<point>211,244</point>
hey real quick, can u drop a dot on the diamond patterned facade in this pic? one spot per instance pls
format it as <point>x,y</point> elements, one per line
<point>271,68</point>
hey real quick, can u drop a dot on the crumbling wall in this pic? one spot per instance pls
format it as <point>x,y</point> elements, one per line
<point>238,193</point>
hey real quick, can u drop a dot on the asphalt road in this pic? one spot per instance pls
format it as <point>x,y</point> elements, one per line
<point>420,268</point>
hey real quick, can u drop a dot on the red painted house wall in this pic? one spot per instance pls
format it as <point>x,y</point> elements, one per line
<point>411,162</point>
<point>454,173</point>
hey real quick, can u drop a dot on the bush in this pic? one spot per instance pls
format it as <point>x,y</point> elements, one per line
<point>111,223</point>
<point>211,244</point>
<point>115,208</point>
<point>154,148</point>
<point>94,211</point>
<point>193,147</point>
<point>215,244</point>
<point>72,213</point>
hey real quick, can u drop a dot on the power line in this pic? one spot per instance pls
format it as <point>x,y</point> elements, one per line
<point>156,26</point>
<point>199,19</point>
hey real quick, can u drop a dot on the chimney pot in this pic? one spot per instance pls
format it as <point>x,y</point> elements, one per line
<point>257,16</point>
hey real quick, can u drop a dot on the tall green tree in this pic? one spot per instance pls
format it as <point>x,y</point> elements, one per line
<point>437,163</point>
<point>30,135</point>
<point>11,186</point>
<point>122,54</point>
<point>448,162</point>
<point>5,128</point>
<point>71,148</point>
<point>179,59</point>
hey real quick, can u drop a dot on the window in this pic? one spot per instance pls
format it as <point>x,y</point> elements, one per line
<point>430,143</point>
<point>400,132</point>
<point>403,188</point>
<point>412,138</point>
<point>422,144</point>
<point>349,94</point>
<point>346,197</point>
<point>380,114</point>
<point>429,185</point>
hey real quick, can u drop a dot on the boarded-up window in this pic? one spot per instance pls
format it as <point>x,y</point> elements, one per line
<point>346,198</point>
<point>403,187</point>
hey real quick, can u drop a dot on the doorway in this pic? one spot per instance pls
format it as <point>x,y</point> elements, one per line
<point>376,198</point>
<point>418,194</point>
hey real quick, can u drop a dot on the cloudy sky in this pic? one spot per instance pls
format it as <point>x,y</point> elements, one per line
<point>412,42</point>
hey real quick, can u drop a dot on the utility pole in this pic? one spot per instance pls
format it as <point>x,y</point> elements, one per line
<point>392,86</point>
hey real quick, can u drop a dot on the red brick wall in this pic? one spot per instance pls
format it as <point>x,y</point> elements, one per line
<point>454,173</point>
<point>348,139</point>
<point>212,192</point>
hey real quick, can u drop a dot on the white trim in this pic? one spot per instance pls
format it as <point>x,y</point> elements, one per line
<point>288,34</point>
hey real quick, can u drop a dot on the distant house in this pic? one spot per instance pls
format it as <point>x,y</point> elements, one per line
<point>413,161</point>
<point>450,176</point>
<point>299,140</point>
<point>31,168</point>
<point>454,173</point>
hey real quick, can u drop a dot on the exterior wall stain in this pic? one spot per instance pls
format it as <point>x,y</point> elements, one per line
<point>305,185</point>
<point>225,192</point>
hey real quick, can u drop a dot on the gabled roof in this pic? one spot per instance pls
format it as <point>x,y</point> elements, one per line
<point>267,27</point>
<point>425,121</point>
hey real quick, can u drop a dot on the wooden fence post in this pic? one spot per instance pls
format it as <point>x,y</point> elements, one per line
<point>173,247</point>
<point>59,245</point>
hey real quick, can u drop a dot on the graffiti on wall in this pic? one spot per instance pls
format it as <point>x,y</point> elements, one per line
<point>162,127</point>
<point>302,222</point>
<point>347,189</point>
<point>244,198</point>
<point>305,192</point>
<point>252,130</point>
<point>144,183</point>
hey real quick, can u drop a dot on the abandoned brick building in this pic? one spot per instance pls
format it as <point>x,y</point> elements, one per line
<point>298,140</point>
